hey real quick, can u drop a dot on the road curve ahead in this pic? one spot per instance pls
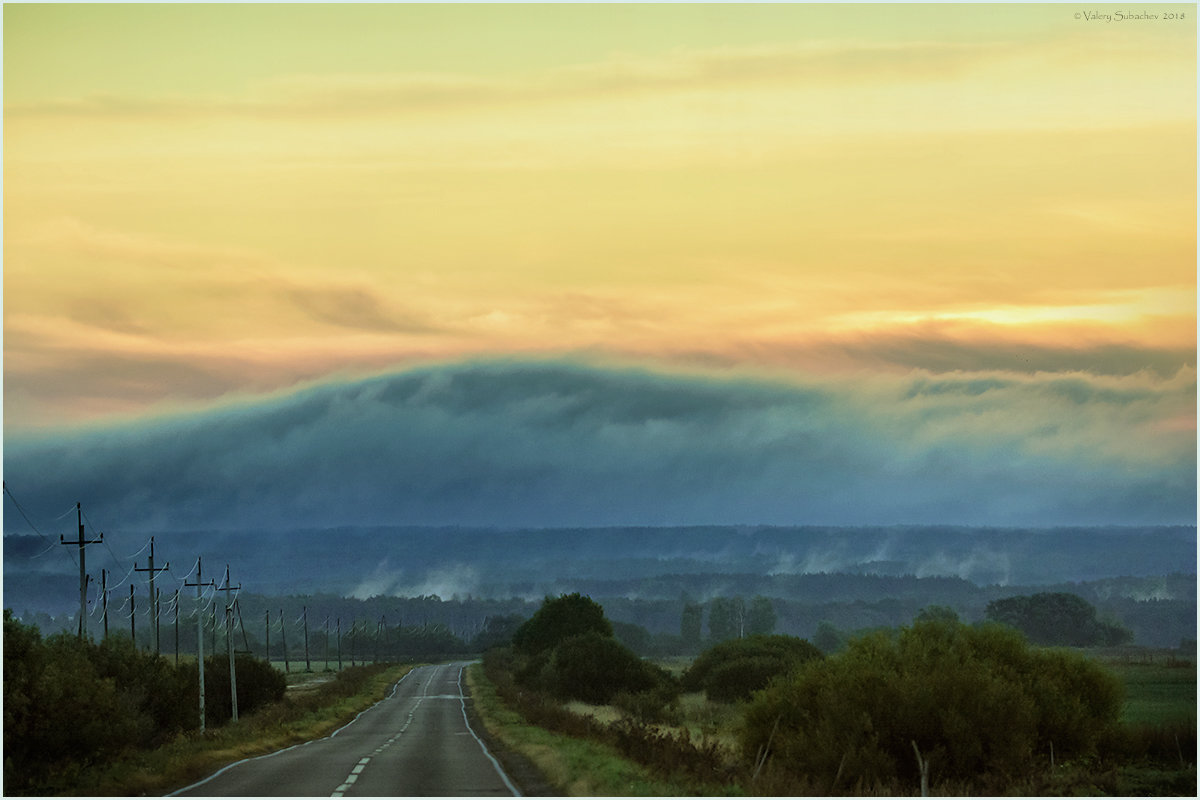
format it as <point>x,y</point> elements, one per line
<point>416,742</point>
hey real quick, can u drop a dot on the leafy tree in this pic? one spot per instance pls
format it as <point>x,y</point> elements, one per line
<point>725,618</point>
<point>558,619</point>
<point>734,669</point>
<point>1057,618</point>
<point>977,701</point>
<point>760,618</point>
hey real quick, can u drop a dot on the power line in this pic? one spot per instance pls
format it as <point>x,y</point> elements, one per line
<point>29,522</point>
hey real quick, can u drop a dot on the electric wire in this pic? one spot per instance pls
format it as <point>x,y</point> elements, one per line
<point>29,522</point>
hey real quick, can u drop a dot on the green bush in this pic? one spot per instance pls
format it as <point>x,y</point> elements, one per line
<point>594,668</point>
<point>976,701</point>
<point>258,683</point>
<point>735,669</point>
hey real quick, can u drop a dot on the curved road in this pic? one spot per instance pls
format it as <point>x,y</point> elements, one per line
<point>415,742</point>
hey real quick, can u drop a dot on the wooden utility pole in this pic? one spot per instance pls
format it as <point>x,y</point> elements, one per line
<point>104,598</point>
<point>283,633</point>
<point>132,620</point>
<point>227,588</point>
<point>82,542</point>
<point>153,598</point>
<point>307,665</point>
<point>200,633</point>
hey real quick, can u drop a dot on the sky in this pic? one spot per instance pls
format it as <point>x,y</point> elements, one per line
<point>889,265</point>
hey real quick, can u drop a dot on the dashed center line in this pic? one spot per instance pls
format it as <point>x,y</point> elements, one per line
<point>362,763</point>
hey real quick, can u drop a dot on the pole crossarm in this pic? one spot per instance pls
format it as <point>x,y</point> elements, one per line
<point>153,597</point>
<point>81,542</point>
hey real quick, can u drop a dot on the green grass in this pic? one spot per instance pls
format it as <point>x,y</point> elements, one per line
<point>1157,694</point>
<point>575,766</point>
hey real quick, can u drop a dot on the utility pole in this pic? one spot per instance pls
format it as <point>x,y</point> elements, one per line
<point>283,633</point>
<point>153,597</point>
<point>227,588</point>
<point>200,634</point>
<point>104,598</point>
<point>132,620</point>
<point>177,627</point>
<point>307,665</point>
<point>237,606</point>
<point>82,543</point>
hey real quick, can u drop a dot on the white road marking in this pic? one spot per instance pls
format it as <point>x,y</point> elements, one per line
<point>482,746</point>
<point>293,747</point>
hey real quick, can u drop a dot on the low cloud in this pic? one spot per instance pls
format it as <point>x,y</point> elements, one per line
<point>556,443</point>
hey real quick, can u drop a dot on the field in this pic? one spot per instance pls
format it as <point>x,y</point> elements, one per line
<point>1158,693</point>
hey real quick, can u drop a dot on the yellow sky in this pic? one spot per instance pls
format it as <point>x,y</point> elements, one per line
<point>199,199</point>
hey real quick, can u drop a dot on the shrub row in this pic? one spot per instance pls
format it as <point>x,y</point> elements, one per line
<point>77,703</point>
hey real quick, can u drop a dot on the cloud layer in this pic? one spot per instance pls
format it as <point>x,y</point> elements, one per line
<point>556,443</point>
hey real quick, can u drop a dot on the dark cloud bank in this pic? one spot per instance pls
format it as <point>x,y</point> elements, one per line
<point>543,444</point>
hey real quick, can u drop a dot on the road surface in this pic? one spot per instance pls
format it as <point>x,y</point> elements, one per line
<point>417,741</point>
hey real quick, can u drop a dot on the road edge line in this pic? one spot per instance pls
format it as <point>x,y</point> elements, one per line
<point>462,699</point>
<point>203,781</point>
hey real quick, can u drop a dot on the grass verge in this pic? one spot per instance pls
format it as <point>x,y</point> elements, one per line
<point>191,757</point>
<point>576,767</point>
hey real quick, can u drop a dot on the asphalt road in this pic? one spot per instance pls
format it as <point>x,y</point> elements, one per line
<point>416,742</point>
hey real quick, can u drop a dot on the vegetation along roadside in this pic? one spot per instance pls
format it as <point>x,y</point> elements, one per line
<point>105,719</point>
<point>938,706</point>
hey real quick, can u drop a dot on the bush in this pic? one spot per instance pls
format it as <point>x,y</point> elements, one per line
<point>735,669</point>
<point>976,701</point>
<point>258,683</point>
<point>594,668</point>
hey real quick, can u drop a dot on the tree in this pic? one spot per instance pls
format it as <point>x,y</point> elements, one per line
<point>760,618</point>
<point>725,618</point>
<point>1057,618</point>
<point>690,625</point>
<point>560,618</point>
